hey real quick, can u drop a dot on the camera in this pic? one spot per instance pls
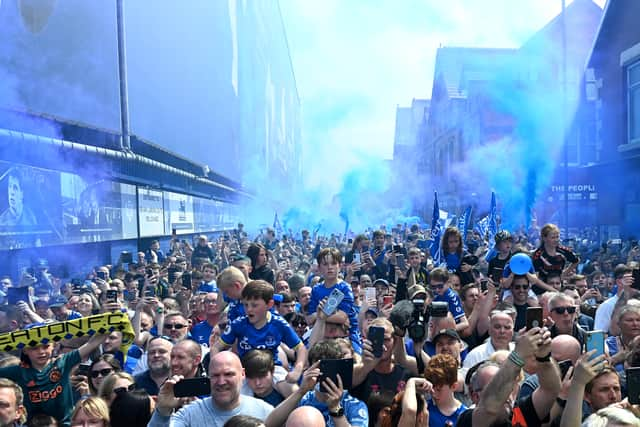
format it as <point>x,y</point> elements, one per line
<point>417,327</point>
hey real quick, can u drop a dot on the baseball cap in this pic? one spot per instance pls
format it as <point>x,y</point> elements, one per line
<point>373,311</point>
<point>416,290</point>
<point>448,332</point>
<point>58,301</point>
<point>381,282</point>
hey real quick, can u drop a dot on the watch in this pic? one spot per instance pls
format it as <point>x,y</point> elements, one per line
<point>338,413</point>
<point>543,359</point>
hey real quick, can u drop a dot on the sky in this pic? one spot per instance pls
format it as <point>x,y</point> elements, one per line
<point>355,61</point>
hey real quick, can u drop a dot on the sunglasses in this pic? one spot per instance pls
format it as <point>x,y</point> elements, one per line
<point>441,286</point>
<point>562,310</point>
<point>177,326</point>
<point>103,372</point>
<point>121,390</point>
<point>520,286</point>
<point>211,301</point>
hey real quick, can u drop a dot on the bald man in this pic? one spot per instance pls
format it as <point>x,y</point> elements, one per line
<point>305,416</point>
<point>565,347</point>
<point>226,377</point>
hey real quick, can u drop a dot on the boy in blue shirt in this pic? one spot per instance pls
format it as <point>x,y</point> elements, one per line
<point>329,260</point>
<point>261,329</point>
<point>439,284</point>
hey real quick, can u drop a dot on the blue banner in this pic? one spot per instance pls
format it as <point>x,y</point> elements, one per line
<point>463,224</point>
<point>436,231</point>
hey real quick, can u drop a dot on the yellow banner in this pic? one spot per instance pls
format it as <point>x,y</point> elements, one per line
<point>54,332</point>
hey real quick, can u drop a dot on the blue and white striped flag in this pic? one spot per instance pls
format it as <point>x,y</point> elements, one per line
<point>492,227</point>
<point>482,226</point>
<point>463,224</point>
<point>493,221</point>
<point>276,224</point>
<point>436,232</point>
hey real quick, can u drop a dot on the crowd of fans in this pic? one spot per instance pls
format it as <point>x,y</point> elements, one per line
<point>299,329</point>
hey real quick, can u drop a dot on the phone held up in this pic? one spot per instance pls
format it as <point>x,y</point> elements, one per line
<point>534,317</point>
<point>333,301</point>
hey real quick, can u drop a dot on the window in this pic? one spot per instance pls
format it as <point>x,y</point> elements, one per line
<point>633,97</point>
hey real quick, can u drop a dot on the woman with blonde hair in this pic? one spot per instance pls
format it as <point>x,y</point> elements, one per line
<point>114,383</point>
<point>91,411</point>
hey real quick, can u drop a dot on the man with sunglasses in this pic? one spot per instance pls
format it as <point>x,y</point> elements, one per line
<point>563,312</point>
<point>439,284</point>
<point>520,292</point>
<point>175,326</point>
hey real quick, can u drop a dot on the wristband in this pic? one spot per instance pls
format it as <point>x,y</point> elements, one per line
<point>159,310</point>
<point>516,359</point>
<point>337,413</point>
<point>544,359</point>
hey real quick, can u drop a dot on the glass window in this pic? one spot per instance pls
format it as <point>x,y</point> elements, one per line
<point>633,90</point>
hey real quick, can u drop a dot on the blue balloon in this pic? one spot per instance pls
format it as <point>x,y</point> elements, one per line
<point>520,264</point>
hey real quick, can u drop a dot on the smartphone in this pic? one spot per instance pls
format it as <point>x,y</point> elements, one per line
<point>636,278</point>
<point>483,285</point>
<point>376,336</point>
<point>387,300</point>
<point>112,295</point>
<point>564,367</point>
<point>370,293</point>
<point>402,265</point>
<point>126,257</point>
<point>17,294</point>
<point>130,295</point>
<point>331,368</point>
<point>397,248</point>
<point>350,241</point>
<point>141,281</point>
<point>595,341</point>
<point>186,280</point>
<point>534,317</point>
<point>356,257</point>
<point>150,292</point>
<point>83,369</point>
<point>189,387</point>
<point>365,249</point>
<point>334,300</point>
<point>633,385</point>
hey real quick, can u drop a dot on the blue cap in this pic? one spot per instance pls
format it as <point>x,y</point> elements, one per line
<point>58,301</point>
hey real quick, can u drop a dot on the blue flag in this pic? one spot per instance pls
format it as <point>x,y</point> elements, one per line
<point>436,232</point>
<point>492,227</point>
<point>463,224</point>
<point>493,220</point>
<point>276,224</point>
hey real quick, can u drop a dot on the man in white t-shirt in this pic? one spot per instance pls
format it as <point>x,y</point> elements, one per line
<point>500,338</point>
